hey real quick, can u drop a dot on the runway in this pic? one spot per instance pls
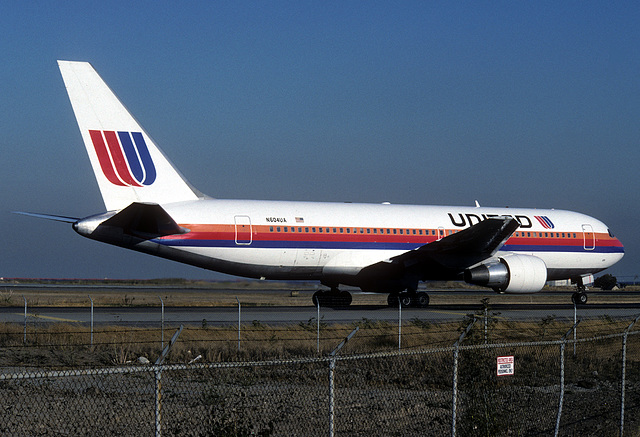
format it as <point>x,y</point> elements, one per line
<point>282,315</point>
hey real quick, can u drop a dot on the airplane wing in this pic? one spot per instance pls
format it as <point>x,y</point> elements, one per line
<point>449,256</point>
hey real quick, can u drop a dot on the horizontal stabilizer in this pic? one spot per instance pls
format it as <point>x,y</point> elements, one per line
<point>57,218</point>
<point>144,220</point>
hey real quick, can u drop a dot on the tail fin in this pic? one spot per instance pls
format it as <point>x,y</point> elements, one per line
<point>128,165</point>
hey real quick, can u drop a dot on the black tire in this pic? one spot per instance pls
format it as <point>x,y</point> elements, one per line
<point>344,299</point>
<point>317,296</point>
<point>422,300</point>
<point>582,298</point>
<point>392,300</point>
<point>406,300</point>
<point>579,298</point>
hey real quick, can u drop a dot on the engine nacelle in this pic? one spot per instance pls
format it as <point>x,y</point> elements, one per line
<point>511,274</point>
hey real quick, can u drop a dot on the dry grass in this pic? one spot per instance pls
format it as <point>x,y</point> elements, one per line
<point>69,345</point>
<point>224,295</point>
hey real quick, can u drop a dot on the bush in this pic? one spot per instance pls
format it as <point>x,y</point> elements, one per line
<point>605,282</point>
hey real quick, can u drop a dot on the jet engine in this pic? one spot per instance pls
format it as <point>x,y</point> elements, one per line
<point>510,274</point>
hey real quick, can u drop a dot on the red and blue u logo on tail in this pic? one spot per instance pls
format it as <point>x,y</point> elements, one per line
<point>124,157</point>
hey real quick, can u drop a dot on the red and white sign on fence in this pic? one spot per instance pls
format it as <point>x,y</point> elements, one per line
<point>505,366</point>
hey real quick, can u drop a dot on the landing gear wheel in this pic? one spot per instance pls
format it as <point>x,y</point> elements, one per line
<point>392,300</point>
<point>579,297</point>
<point>422,299</point>
<point>405,299</point>
<point>334,298</point>
<point>343,299</point>
<point>318,297</point>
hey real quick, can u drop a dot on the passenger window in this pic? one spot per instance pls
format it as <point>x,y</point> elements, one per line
<point>270,228</point>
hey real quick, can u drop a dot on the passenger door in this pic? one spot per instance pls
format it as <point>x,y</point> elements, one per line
<point>589,237</point>
<point>244,236</point>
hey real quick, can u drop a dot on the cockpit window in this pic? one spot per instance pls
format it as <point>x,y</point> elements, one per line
<point>610,233</point>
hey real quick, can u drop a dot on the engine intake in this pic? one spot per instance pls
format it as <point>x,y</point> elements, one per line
<point>511,274</point>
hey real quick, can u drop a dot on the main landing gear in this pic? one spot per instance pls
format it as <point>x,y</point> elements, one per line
<point>333,298</point>
<point>409,298</point>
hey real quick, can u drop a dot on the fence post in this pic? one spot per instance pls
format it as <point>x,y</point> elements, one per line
<point>25,319</point>
<point>485,307</point>
<point>575,331</point>
<point>161,323</point>
<point>399,323</point>
<point>624,372</point>
<point>562,346</point>
<point>239,320</point>
<point>91,320</point>
<point>158,377</point>
<point>318,327</point>
<point>455,377</point>
<point>332,367</point>
<point>485,324</point>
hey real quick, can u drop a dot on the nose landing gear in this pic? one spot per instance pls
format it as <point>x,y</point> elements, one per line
<point>580,296</point>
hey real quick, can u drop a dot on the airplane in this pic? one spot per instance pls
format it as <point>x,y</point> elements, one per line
<point>385,248</point>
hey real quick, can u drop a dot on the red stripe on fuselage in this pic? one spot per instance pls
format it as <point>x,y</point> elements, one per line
<point>264,233</point>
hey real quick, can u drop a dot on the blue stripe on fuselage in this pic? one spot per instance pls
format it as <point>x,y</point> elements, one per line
<point>360,245</point>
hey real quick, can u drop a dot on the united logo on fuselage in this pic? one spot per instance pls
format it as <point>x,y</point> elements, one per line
<point>124,157</point>
<point>545,221</point>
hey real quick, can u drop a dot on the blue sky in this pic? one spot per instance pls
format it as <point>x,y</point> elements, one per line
<point>522,104</point>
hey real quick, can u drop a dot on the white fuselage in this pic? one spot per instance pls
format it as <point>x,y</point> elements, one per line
<point>312,240</point>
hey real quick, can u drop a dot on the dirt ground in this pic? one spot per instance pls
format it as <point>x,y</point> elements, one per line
<point>261,293</point>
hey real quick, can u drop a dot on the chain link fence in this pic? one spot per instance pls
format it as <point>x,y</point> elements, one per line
<point>437,389</point>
